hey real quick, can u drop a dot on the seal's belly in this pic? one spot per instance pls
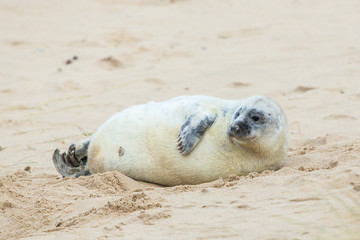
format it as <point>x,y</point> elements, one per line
<point>150,154</point>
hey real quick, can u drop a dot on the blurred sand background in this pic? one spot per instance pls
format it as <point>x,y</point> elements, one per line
<point>67,66</point>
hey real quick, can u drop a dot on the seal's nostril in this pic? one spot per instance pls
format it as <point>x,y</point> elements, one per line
<point>235,129</point>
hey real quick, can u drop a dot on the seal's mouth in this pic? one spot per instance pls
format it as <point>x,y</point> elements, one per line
<point>242,139</point>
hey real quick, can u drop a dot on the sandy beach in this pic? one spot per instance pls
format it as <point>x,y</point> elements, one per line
<point>67,66</point>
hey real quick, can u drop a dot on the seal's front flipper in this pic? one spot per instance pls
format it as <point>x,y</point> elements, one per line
<point>192,130</point>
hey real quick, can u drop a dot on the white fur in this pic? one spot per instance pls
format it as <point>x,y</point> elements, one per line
<point>147,134</point>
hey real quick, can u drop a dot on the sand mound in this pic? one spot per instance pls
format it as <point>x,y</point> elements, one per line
<point>311,182</point>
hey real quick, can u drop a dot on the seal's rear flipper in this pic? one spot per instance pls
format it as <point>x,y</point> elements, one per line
<point>64,169</point>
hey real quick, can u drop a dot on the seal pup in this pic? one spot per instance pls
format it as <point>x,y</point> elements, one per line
<point>185,140</point>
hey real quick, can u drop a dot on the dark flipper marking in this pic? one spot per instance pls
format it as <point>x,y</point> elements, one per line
<point>72,163</point>
<point>191,132</point>
<point>77,156</point>
<point>66,170</point>
<point>61,164</point>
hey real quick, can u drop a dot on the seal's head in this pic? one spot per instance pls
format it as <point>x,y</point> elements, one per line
<point>259,122</point>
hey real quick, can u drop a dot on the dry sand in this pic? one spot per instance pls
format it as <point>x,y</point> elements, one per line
<point>304,54</point>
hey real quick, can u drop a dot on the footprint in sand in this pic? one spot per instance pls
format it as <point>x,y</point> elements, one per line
<point>305,199</point>
<point>303,89</point>
<point>356,186</point>
<point>339,117</point>
<point>6,90</point>
<point>16,43</point>
<point>237,84</point>
<point>315,142</point>
<point>110,63</point>
<point>154,81</point>
<point>121,38</point>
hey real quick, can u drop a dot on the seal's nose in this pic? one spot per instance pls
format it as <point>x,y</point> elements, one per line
<point>235,129</point>
<point>240,129</point>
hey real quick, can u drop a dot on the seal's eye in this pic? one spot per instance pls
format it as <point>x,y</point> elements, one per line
<point>236,115</point>
<point>255,118</point>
